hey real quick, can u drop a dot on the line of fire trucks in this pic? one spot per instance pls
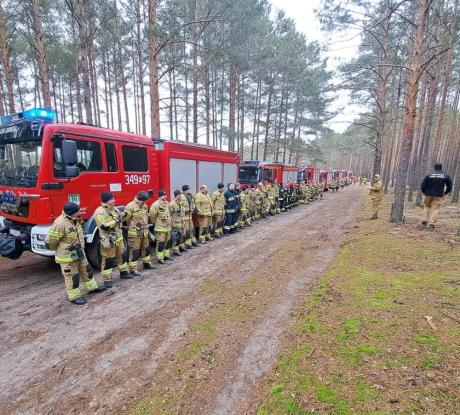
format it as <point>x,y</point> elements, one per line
<point>45,164</point>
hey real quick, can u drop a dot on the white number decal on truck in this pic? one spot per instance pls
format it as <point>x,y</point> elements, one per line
<point>137,179</point>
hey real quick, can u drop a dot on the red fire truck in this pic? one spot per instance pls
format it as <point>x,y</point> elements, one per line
<point>252,172</point>
<point>308,174</point>
<point>43,165</point>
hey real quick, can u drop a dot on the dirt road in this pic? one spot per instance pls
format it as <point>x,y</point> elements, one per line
<point>190,337</point>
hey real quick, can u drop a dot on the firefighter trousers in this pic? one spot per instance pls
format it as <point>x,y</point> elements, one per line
<point>189,232</point>
<point>113,257</point>
<point>163,245</point>
<point>205,223</point>
<point>138,248</point>
<point>73,273</point>
<point>218,224</point>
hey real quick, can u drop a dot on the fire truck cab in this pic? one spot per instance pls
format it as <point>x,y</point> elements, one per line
<point>252,172</point>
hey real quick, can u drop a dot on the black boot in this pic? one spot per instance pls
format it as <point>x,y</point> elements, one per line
<point>135,273</point>
<point>108,284</point>
<point>97,290</point>
<point>79,301</point>
<point>148,265</point>
<point>126,275</point>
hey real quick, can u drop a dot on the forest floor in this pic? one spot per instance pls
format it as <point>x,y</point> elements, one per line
<point>361,342</point>
<point>317,309</point>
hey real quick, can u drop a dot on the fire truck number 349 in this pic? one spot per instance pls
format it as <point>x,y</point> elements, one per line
<point>137,179</point>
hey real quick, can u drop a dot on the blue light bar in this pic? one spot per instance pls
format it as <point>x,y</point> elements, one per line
<point>46,115</point>
<point>42,114</point>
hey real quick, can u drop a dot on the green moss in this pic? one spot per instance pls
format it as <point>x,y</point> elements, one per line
<point>350,329</point>
<point>325,394</point>
<point>364,392</point>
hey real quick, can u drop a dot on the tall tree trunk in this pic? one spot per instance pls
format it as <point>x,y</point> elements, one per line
<point>233,81</point>
<point>6,59</point>
<point>176,124</point>
<point>416,150</point>
<point>195,72</point>
<point>242,115</point>
<point>207,104</point>
<point>83,59</point>
<point>140,62</point>
<point>397,209</point>
<point>41,56</point>
<point>423,165</point>
<point>153,66</point>
<point>116,80</point>
<point>255,118</point>
<point>267,121</point>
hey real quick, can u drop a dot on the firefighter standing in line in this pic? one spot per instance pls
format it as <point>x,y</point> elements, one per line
<point>230,209</point>
<point>177,224</point>
<point>245,219</point>
<point>204,210</point>
<point>66,237</point>
<point>160,216</point>
<point>188,204</point>
<point>434,186</point>
<point>252,205</point>
<point>218,210</point>
<point>282,198</point>
<point>109,222</point>
<point>376,193</point>
<point>237,218</point>
<point>137,220</point>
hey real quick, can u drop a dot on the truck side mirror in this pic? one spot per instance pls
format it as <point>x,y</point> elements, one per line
<point>69,157</point>
<point>69,152</point>
<point>71,171</point>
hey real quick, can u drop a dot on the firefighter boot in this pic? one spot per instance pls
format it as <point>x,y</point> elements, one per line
<point>148,265</point>
<point>78,301</point>
<point>126,275</point>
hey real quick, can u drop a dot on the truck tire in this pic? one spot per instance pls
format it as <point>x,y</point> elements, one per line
<point>93,252</point>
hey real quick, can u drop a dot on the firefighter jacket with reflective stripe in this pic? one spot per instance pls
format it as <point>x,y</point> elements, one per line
<point>108,221</point>
<point>244,201</point>
<point>160,216</point>
<point>177,214</point>
<point>137,219</point>
<point>218,202</point>
<point>203,204</point>
<point>64,233</point>
<point>231,202</point>
<point>188,205</point>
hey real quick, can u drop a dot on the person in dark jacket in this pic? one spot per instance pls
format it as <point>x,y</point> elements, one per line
<point>435,186</point>
<point>231,206</point>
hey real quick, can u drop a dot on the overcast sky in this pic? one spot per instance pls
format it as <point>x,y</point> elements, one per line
<point>340,48</point>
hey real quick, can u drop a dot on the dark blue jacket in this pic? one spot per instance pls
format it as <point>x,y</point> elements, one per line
<point>437,184</point>
<point>231,202</point>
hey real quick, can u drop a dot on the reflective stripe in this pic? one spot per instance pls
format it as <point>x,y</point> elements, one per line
<point>162,230</point>
<point>90,285</point>
<point>132,233</point>
<point>123,267</point>
<point>146,258</point>
<point>63,260</point>
<point>230,210</point>
<point>73,293</point>
<point>107,271</point>
<point>119,239</point>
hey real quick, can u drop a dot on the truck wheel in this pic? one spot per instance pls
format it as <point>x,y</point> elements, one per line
<point>93,252</point>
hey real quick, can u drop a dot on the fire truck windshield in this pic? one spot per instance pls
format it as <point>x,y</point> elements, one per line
<point>19,163</point>
<point>249,174</point>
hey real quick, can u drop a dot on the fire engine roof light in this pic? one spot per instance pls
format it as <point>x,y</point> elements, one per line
<point>45,115</point>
